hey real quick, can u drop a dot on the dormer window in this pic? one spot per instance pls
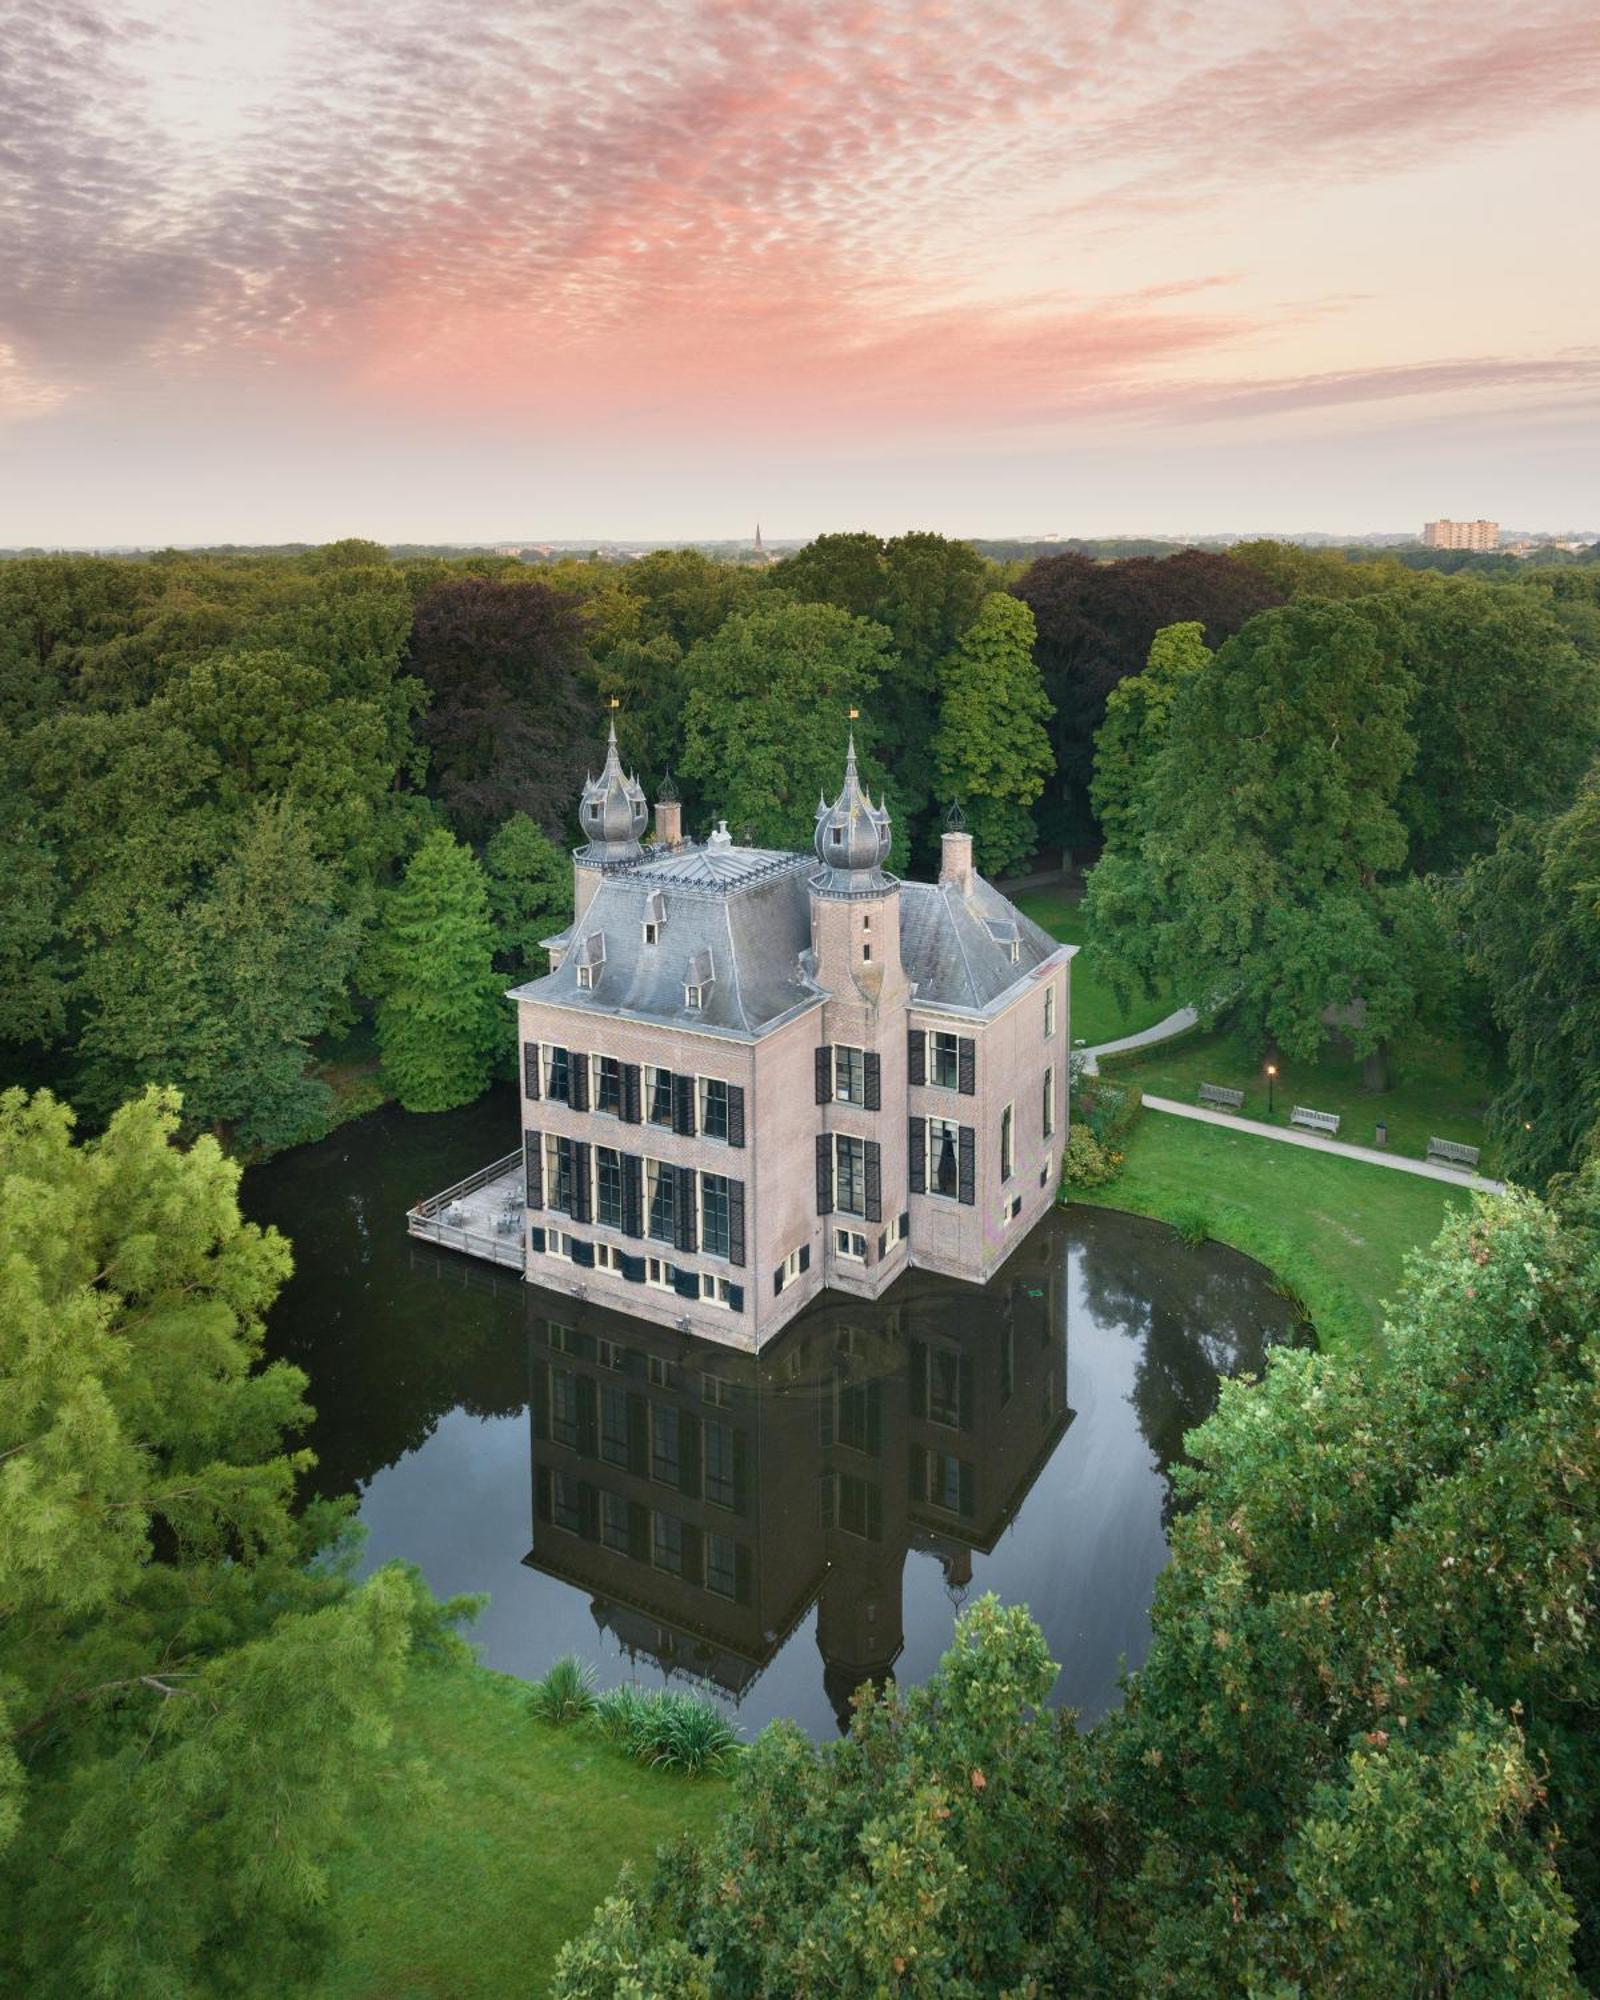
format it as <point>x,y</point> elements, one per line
<point>694,996</point>
<point>655,916</point>
<point>837,836</point>
<point>652,933</point>
<point>1014,951</point>
<point>697,980</point>
<point>591,960</point>
<point>586,976</point>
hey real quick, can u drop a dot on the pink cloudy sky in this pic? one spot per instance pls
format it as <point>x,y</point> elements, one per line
<point>447,269</point>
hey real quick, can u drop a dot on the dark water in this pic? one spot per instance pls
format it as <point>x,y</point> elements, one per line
<point>773,1529</point>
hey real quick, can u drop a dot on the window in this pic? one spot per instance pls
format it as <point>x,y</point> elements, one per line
<point>866,920</point>
<point>1048,1119</point>
<point>944,1067</point>
<point>946,1482</point>
<point>611,1354</point>
<point>661,1186</point>
<point>1008,1125</point>
<point>564,1408</point>
<point>613,1424</point>
<point>716,1390</point>
<point>566,1503</point>
<point>1049,1012</point>
<point>666,1462</point>
<point>866,951</point>
<point>614,1522</point>
<point>859,1417</point>
<point>662,1275</point>
<point>714,1214</point>
<point>608,1187</point>
<point>658,1095</point>
<point>557,1074</point>
<point>1015,1208</point>
<point>694,996</point>
<point>859,1507</point>
<point>558,1178</point>
<point>666,1543</point>
<point>661,1372</point>
<point>608,1092</point>
<point>850,1243</point>
<point>716,1290</point>
<point>713,1108</point>
<point>944,1387</point>
<point>722,1573</point>
<point>1014,950</point>
<point>849,1174</point>
<point>564,1339</point>
<point>586,973</point>
<point>652,933</point>
<point>849,1075</point>
<point>944,1136</point>
<point>837,836</point>
<point>607,1257</point>
<point>718,1454</point>
<point>791,1267</point>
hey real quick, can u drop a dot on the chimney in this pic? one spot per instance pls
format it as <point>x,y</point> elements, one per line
<point>955,859</point>
<point>669,814</point>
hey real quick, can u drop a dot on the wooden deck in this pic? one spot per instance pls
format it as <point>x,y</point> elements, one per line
<point>482,1216</point>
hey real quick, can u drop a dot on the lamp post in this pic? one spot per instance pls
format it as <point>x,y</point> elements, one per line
<point>1272,1077</point>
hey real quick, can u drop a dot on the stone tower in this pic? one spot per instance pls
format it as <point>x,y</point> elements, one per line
<point>613,815</point>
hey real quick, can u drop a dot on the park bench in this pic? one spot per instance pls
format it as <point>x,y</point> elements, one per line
<point>1453,1153</point>
<point>1316,1121</point>
<point>1216,1093</point>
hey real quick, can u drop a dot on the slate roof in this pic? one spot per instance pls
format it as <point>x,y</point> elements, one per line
<point>746,912</point>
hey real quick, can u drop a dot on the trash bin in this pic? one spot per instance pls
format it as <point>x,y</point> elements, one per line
<point>1380,1135</point>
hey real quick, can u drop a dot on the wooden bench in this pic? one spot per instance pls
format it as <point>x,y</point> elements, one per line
<point>1453,1153</point>
<point>1216,1093</point>
<point>1316,1121</point>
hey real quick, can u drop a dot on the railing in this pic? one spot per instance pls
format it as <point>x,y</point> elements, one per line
<point>470,1185</point>
<point>427,1219</point>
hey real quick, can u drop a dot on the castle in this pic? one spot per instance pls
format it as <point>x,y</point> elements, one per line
<point>750,1075</point>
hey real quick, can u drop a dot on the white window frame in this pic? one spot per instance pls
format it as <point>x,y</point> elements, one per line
<point>652,932</point>
<point>842,1093</point>
<point>931,1058</point>
<point>931,1166</point>
<point>1049,1013</point>
<point>694,997</point>
<point>841,1139</point>
<point>1049,1102</point>
<point>586,976</point>
<point>660,1274</point>
<point>701,1094</point>
<point>1008,1142</point>
<point>851,1245</point>
<point>714,1289</point>
<point>789,1270</point>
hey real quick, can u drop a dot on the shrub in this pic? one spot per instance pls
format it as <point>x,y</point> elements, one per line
<point>679,1732</point>
<point>1194,1222</point>
<point>566,1694</point>
<point>1087,1163</point>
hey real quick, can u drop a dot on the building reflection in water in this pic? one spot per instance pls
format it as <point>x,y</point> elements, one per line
<point>704,1499</point>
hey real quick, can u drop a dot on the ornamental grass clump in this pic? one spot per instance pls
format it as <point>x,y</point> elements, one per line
<point>1194,1222</point>
<point>566,1694</point>
<point>679,1732</point>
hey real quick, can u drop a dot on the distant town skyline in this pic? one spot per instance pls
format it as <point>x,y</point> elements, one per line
<point>427,269</point>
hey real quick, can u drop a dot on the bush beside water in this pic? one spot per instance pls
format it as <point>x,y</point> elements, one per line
<point>665,1727</point>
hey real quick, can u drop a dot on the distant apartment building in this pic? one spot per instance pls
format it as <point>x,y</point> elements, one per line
<point>1480,536</point>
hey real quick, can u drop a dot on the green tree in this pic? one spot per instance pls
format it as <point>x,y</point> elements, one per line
<point>1137,712</point>
<point>530,894</point>
<point>442,1018</point>
<point>192,1692</point>
<point>990,750</point>
<point>765,719</point>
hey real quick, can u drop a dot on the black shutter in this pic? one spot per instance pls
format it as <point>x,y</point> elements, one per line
<point>632,1195</point>
<point>533,1168</point>
<point>582,1208</point>
<point>683,1212</point>
<point>965,1166</point>
<point>530,1069</point>
<point>632,1268</point>
<point>736,1222</point>
<point>805,1256</point>
<point>536,1240</point>
<point>917,1055</point>
<point>917,1380</point>
<point>777,1282</point>
<point>874,1069</point>
<point>824,1174</point>
<point>735,1114</point>
<point>736,1298</point>
<point>578,1070</point>
<point>630,1093</point>
<point>638,1435</point>
<point>964,1393</point>
<point>918,1155</point>
<point>967,1066</point>
<point>683,1105</point>
<point>687,1285</point>
<point>824,1074</point>
<point>583,1253</point>
<point>874,1181</point>
<point>688,1454</point>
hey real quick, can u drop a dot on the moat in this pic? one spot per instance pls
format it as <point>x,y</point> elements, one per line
<point>769,1529</point>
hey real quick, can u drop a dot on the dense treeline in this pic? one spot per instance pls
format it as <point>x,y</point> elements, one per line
<point>257,809</point>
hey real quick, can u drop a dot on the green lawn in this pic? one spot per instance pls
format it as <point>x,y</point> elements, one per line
<point>1334,1231</point>
<point>474,1893</point>
<point>1437,1090</point>
<point>1096,1017</point>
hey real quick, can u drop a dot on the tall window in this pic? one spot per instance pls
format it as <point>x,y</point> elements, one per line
<point>849,1175</point>
<point>849,1075</point>
<point>564,1408</point>
<point>608,1086</point>
<point>566,1505</point>
<point>608,1186</point>
<point>558,1173</point>
<point>722,1571</point>
<point>1049,1012</point>
<point>1049,1119</point>
<point>557,1075</point>
<point>1008,1125</point>
<point>661,1185</point>
<point>713,1108</point>
<point>613,1424</point>
<point>944,1387</point>
<point>666,1543</point>
<point>665,1456</point>
<point>718,1454</point>
<point>944,1173</point>
<point>658,1095</point>
<point>614,1522</point>
<point>714,1214</point>
<point>944,1060</point>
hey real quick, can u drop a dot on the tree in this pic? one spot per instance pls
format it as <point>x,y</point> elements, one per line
<point>194,1693</point>
<point>1096,623</point>
<point>1137,711</point>
<point>512,700</point>
<point>33,966</point>
<point>765,719</point>
<point>1270,877</point>
<point>991,751</point>
<point>1532,916</point>
<point>441,1018</point>
<point>530,894</point>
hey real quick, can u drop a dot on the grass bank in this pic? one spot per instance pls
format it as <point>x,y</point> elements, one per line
<point>1334,1231</point>
<point>1096,1016</point>
<point>1437,1089</point>
<point>475,1892</point>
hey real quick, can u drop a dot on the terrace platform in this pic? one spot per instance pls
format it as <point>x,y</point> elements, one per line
<point>482,1216</point>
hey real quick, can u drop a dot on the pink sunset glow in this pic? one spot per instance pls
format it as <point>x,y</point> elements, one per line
<point>657,267</point>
